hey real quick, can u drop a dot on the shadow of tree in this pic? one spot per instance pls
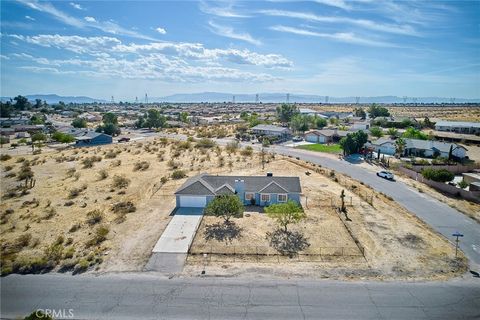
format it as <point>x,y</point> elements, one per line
<point>226,231</point>
<point>288,243</point>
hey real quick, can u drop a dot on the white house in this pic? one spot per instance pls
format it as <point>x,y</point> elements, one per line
<point>324,135</point>
<point>458,126</point>
<point>384,145</point>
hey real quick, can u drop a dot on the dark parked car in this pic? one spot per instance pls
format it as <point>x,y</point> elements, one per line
<point>124,139</point>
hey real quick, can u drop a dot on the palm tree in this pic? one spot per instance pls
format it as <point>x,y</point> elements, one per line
<point>400,146</point>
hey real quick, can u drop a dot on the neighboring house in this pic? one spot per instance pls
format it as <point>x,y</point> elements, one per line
<point>384,145</point>
<point>458,126</point>
<point>335,114</point>
<point>198,191</point>
<point>311,112</point>
<point>324,135</point>
<point>92,138</point>
<point>76,132</point>
<point>429,148</point>
<point>271,131</point>
<point>360,125</point>
<point>7,122</point>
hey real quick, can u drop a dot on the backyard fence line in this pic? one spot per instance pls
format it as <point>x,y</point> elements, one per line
<point>231,250</point>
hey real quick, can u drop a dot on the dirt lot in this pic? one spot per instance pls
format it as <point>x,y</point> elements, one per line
<point>65,193</point>
<point>51,226</point>
<point>397,244</point>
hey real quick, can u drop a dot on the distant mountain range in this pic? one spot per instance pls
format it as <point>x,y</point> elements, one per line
<point>53,98</point>
<point>263,97</point>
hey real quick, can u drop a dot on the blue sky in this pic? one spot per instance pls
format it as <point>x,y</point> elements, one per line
<point>324,47</point>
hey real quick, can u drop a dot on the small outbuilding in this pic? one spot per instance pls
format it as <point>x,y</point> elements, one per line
<point>93,139</point>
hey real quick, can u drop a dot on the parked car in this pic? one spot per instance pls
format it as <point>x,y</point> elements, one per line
<point>124,139</point>
<point>297,139</point>
<point>385,175</point>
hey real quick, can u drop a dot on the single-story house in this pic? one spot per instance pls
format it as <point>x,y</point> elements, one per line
<point>324,135</point>
<point>198,191</point>
<point>7,122</point>
<point>458,126</point>
<point>270,130</point>
<point>92,138</point>
<point>360,125</point>
<point>311,112</point>
<point>429,148</point>
<point>384,145</point>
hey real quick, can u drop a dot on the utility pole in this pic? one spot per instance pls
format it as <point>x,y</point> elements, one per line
<point>288,98</point>
<point>357,100</point>
<point>146,98</point>
<point>257,98</point>
<point>233,99</point>
<point>326,99</point>
<point>113,100</point>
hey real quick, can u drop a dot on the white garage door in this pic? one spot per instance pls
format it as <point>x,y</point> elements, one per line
<point>193,202</point>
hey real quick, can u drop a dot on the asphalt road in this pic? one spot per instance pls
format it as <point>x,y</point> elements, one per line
<point>150,296</point>
<point>438,215</point>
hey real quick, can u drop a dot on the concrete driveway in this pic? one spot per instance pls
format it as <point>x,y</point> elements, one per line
<point>171,249</point>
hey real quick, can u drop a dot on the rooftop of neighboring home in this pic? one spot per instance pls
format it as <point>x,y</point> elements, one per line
<point>270,127</point>
<point>430,144</point>
<point>89,135</point>
<point>205,184</point>
<point>381,141</point>
<point>328,132</point>
<point>466,124</point>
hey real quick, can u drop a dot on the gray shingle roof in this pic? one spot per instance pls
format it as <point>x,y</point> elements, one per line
<point>270,127</point>
<point>208,184</point>
<point>429,145</point>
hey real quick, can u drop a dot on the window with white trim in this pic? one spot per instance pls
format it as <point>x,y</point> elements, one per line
<point>249,195</point>
<point>282,197</point>
<point>265,197</point>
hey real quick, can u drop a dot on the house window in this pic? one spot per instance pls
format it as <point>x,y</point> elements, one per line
<point>282,198</point>
<point>265,198</point>
<point>248,196</point>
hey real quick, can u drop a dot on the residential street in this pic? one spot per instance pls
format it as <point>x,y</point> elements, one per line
<point>151,296</point>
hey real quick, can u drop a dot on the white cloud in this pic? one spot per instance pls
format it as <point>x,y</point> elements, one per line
<point>339,36</point>
<point>161,30</point>
<point>229,32</point>
<point>105,26</point>
<point>90,19</point>
<point>76,6</point>
<point>29,18</point>
<point>4,57</point>
<point>335,3</point>
<point>225,11</point>
<point>363,23</point>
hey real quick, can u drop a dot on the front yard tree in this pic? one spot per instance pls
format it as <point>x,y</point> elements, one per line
<point>353,142</point>
<point>285,213</point>
<point>400,146</point>
<point>286,112</point>
<point>62,137</point>
<point>376,132</point>
<point>225,206</point>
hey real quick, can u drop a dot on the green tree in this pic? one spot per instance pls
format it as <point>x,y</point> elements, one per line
<point>6,109</point>
<point>376,132</point>
<point>319,122</point>
<point>21,103</point>
<point>428,124</point>
<point>225,206</point>
<point>392,132</point>
<point>62,137</point>
<point>110,129</point>
<point>285,213</point>
<point>412,133</point>
<point>353,142</point>
<point>359,112</point>
<point>400,146</point>
<point>38,118</point>
<point>286,112</point>
<point>378,111</point>
<point>38,104</point>
<point>110,118</point>
<point>299,123</point>
<point>154,119</point>
<point>183,117</point>
<point>439,175</point>
<point>79,123</point>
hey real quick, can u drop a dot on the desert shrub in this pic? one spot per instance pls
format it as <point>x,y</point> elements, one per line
<point>120,182</point>
<point>37,151</point>
<point>81,266</point>
<point>8,168</point>
<point>69,253</point>
<point>5,157</point>
<point>184,145</point>
<point>178,174</point>
<point>124,207</point>
<point>68,264</point>
<point>173,164</point>
<point>102,174</point>
<point>22,241</point>
<point>463,184</point>
<point>90,161</point>
<point>27,265</point>
<point>99,236</point>
<point>205,143</point>
<point>54,252</point>
<point>75,192</point>
<point>10,175</point>
<point>69,203</point>
<point>75,227</point>
<point>232,147</point>
<point>164,180</point>
<point>111,154</point>
<point>247,152</point>
<point>439,175</point>
<point>70,172</point>
<point>50,213</point>
<point>116,163</point>
<point>141,166</point>
<point>94,217</point>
